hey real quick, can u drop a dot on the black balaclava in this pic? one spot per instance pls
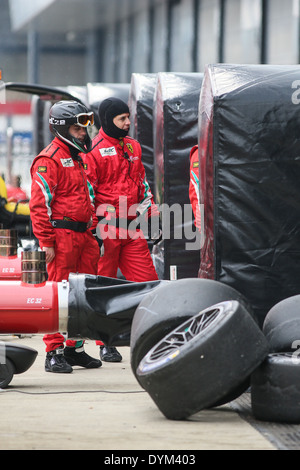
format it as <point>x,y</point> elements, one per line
<point>108,110</point>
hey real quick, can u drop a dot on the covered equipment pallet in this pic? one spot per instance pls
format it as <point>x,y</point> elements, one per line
<point>141,115</point>
<point>249,135</point>
<point>175,132</point>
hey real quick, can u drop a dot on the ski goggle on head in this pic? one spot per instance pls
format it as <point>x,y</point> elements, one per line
<point>84,119</point>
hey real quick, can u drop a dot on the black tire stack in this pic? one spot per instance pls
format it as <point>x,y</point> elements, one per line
<point>195,345</point>
<point>275,391</point>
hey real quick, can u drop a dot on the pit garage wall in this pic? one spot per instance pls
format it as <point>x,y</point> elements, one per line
<point>249,137</point>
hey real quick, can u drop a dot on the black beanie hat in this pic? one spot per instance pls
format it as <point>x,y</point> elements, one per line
<point>108,110</point>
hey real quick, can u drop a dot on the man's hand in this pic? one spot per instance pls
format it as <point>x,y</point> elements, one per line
<point>99,241</point>
<point>50,253</point>
<point>90,222</point>
<point>154,229</point>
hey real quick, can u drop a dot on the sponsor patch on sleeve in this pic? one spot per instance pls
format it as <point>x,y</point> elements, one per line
<point>42,169</point>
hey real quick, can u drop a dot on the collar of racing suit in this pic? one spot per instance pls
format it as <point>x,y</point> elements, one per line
<point>113,140</point>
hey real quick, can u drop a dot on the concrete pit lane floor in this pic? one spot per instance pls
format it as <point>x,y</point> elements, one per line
<point>106,409</point>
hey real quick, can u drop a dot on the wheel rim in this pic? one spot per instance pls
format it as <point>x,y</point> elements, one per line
<point>169,347</point>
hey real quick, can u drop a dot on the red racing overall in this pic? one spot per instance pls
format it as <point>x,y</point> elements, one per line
<point>194,185</point>
<point>60,192</point>
<point>115,170</point>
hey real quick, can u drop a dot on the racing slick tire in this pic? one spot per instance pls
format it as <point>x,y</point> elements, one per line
<point>7,371</point>
<point>170,305</point>
<point>275,389</point>
<point>282,325</point>
<point>201,361</point>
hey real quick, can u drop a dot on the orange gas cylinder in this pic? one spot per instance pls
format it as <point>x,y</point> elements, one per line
<point>85,306</point>
<point>29,304</point>
<point>33,308</point>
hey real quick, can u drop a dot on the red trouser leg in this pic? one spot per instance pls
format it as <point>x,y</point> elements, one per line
<point>74,253</point>
<point>108,264</point>
<point>53,341</point>
<point>130,253</point>
<point>135,259</point>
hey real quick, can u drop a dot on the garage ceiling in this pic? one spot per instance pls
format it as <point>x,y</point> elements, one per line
<point>61,16</point>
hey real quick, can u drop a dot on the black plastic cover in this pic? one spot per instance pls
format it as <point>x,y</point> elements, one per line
<point>102,308</point>
<point>140,103</point>
<point>98,92</point>
<point>249,138</point>
<point>21,356</point>
<point>175,132</point>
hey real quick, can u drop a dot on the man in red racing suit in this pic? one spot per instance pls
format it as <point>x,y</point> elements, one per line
<point>62,212</point>
<point>115,169</point>
<point>194,185</point>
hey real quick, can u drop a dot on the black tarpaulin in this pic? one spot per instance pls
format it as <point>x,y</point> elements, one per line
<point>249,137</point>
<point>140,103</point>
<point>98,92</point>
<point>102,308</point>
<point>175,132</point>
